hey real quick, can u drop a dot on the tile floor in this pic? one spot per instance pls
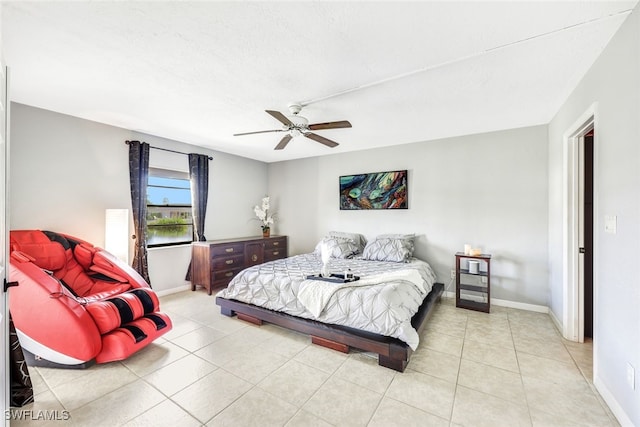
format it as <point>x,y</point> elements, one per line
<point>509,368</point>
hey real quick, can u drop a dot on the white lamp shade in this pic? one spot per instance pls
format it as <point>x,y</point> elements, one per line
<point>116,239</point>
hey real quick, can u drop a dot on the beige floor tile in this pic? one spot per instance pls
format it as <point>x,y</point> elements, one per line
<point>181,326</point>
<point>165,414</point>
<point>499,335</point>
<point>473,408</point>
<point>212,318</point>
<point>154,356</point>
<point>525,316</point>
<point>211,394</point>
<point>175,376</point>
<point>391,412</point>
<point>442,342</point>
<point>224,349</point>
<point>294,382</point>
<point>534,330</point>
<point>198,338</point>
<point>118,406</point>
<point>424,392</point>
<point>305,419</point>
<point>256,408</point>
<point>564,403</point>
<point>549,348</point>
<point>254,366</point>
<point>364,370</point>
<point>343,403</point>
<point>322,358</point>
<point>54,377</point>
<point>441,365</point>
<point>497,382</point>
<point>543,419</point>
<point>553,371</point>
<point>490,354</point>
<point>287,343</point>
<point>456,326</point>
<point>100,380</point>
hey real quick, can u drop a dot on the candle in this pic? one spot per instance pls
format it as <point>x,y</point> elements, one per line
<point>467,249</point>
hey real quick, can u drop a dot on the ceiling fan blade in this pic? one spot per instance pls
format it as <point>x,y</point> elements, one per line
<point>283,142</point>
<point>260,131</point>
<point>330,125</point>
<point>280,117</point>
<point>321,139</point>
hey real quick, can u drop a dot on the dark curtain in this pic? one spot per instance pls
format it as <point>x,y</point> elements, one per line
<point>139,176</point>
<point>199,176</point>
<point>20,380</point>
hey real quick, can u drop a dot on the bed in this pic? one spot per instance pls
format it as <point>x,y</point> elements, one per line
<point>382,311</point>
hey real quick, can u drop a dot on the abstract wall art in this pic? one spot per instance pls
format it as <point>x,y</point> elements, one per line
<point>378,190</point>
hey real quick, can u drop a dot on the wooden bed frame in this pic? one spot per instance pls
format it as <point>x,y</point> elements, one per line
<point>392,352</point>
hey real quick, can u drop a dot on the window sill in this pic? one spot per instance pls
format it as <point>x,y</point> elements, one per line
<point>158,248</point>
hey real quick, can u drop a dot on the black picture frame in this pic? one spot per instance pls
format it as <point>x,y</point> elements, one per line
<point>375,190</point>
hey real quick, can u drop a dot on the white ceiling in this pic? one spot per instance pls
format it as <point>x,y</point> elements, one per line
<point>400,72</point>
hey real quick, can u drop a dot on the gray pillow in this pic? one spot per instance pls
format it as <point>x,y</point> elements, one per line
<point>356,238</point>
<point>389,249</point>
<point>338,247</point>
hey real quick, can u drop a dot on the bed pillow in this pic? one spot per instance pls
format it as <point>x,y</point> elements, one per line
<point>338,247</point>
<point>356,238</point>
<point>392,249</point>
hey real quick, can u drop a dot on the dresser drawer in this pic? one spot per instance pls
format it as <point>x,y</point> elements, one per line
<point>222,275</point>
<point>227,262</point>
<point>279,243</point>
<point>227,249</point>
<point>273,254</point>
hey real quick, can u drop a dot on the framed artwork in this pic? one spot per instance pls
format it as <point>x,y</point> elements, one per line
<point>378,190</point>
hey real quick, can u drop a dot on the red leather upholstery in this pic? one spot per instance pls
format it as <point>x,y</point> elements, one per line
<point>77,303</point>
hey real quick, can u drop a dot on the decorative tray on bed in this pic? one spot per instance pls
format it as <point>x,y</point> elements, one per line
<point>334,278</point>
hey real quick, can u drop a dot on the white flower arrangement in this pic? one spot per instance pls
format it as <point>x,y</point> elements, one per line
<point>263,214</point>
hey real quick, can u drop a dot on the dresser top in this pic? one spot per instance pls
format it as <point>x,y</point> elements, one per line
<point>237,240</point>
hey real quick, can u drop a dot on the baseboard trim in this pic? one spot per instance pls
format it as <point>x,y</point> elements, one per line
<point>509,304</point>
<point>166,292</point>
<point>556,321</point>
<point>613,404</point>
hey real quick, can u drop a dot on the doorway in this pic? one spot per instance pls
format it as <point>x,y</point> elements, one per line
<point>587,231</point>
<point>580,201</point>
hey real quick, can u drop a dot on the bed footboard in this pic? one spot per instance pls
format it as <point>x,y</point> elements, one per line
<point>392,352</point>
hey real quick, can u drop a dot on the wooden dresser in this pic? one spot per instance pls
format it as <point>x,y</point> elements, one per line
<point>215,262</point>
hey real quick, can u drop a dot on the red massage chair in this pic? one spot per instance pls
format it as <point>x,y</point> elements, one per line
<point>77,304</point>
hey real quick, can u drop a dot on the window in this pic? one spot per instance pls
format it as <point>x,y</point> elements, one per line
<point>169,220</point>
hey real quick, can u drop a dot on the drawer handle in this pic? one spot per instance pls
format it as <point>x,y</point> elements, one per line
<point>229,261</point>
<point>229,250</point>
<point>229,274</point>
<point>254,257</point>
<point>276,253</point>
<point>276,243</point>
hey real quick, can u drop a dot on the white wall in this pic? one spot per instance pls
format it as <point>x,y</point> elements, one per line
<point>614,83</point>
<point>66,171</point>
<point>489,190</point>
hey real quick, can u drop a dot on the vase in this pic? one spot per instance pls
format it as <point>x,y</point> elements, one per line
<point>266,232</point>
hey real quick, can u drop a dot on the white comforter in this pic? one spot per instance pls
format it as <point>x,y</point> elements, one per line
<point>384,308</point>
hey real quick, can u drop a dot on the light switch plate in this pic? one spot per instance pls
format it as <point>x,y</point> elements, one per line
<point>610,224</point>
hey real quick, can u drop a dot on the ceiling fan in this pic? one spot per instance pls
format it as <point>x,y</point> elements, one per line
<point>296,125</point>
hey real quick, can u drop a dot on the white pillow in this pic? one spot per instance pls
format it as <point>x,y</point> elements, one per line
<point>338,247</point>
<point>356,238</point>
<point>390,247</point>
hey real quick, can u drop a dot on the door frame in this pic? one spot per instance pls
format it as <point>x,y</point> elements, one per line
<point>573,211</point>
<point>4,251</point>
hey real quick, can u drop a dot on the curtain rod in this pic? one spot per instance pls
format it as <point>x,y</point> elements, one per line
<point>166,149</point>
